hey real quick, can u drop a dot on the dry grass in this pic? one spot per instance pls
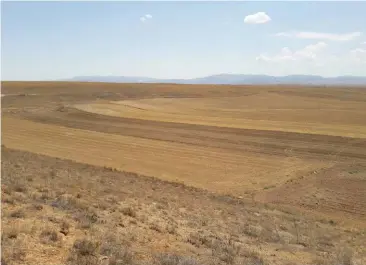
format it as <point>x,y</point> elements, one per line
<point>146,221</point>
<point>299,198</point>
<point>261,111</point>
<point>269,163</point>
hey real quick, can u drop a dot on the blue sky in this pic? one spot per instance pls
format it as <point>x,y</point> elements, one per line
<point>53,40</point>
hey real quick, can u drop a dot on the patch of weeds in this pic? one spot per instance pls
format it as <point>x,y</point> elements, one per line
<point>198,239</point>
<point>332,222</point>
<point>320,261</point>
<point>111,199</point>
<point>29,179</point>
<point>86,219</point>
<point>102,205</point>
<point>8,200</point>
<point>65,202</point>
<point>18,214</point>
<point>44,197</point>
<point>18,187</point>
<point>84,252</point>
<point>252,230</point>
<point>65,227</point>
<point>173,259</point>
<point>204,222</point>
<point>18,254</point>
<point>53,173</point>
<point>12,233</point>
<point>226,251</point>
<point>255,261</point>
<point>37,207</point>
<point>156,227</point>
<point>116,250</point>
<point>172,229</point>
<point>129,211</point>
<point>49,236</point>
<point>253,258</point>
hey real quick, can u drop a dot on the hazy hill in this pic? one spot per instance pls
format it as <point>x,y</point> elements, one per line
<point>232,79</point>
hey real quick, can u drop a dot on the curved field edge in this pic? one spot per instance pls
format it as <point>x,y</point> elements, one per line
<point>131,109</point>
<point>195,165</point>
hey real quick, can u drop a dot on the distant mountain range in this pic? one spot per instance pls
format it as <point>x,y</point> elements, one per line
<point>232,79</point>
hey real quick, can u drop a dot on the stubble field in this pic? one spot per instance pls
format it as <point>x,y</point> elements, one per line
<point>302,149</point>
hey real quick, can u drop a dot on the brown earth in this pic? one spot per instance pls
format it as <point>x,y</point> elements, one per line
<point>298,149</point>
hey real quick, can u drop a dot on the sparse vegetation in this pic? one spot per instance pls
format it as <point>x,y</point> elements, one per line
<point>56,211</point>
<point>129,212</point>
<point>49,236</point>
<point>83,252</point>
<point>20,213</point>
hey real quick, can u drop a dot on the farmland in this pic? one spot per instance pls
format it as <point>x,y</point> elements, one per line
<point>261,156</point>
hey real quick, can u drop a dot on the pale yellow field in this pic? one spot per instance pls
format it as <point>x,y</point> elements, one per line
<point>293,158</point>
<point>205,167</point>
<point>266,111</point>
<point>260,142</point>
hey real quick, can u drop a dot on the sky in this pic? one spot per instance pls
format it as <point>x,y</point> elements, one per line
<point>56,40</point>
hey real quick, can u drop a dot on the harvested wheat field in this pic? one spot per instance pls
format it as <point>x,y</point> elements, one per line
<point>220,174</point>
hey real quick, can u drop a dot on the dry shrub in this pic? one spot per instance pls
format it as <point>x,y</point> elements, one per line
<point>68,202</point>
<point>321,261</point>
<point>172,229</point>
<point>255,261</point>
<point>12,233</point>
<point>84,252</point>
<point>8,200</point>
<point>109,248</point>
<point>18,254</point>
<point>18,213</point>
<point>198,239</point>
<point>13,251</point>
<point>156,227</point>
<point>129,211</point>
<point>65,227</point>
<point>253,258</point>
<point>37,206</point>
<point>86,218</point>
<point>226,251</point>
<point>116,250</point>
<point>252,230</point>
<point>20,188</point>
<point>173,259</point>
<point>344,257</point>
<point>49,237</point>
<point>16,185</point>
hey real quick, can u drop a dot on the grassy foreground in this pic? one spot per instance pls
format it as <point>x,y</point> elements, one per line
<point>61,212</point>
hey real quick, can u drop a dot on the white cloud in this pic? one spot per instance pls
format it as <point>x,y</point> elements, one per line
<point>358,54</point>
<point>286,54</point>
<point>145,17</point>
<point>320,35</point>
<point>358,51</point>
<point>257,18</point>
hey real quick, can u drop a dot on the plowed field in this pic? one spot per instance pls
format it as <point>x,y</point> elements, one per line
<point>293,145</point>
